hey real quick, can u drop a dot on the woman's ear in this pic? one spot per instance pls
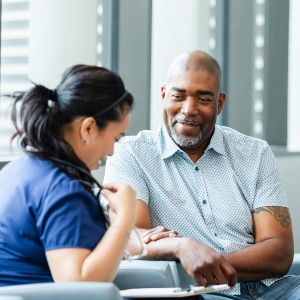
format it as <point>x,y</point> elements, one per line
<point>87,128</point>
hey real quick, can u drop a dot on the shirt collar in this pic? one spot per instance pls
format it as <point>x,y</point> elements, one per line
<point>216,141</point>
<point>168,147</point>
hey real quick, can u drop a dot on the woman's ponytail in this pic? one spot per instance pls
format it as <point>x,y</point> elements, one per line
<point>40,132</point>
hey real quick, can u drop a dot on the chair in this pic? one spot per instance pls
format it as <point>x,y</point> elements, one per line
<point>145,274</point>
<point>62,291</point>
<point>149,274</point>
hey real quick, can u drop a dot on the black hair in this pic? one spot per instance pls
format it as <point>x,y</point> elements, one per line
<point>83,91</point>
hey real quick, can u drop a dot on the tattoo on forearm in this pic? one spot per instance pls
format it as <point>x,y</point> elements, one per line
<point>281,214</point>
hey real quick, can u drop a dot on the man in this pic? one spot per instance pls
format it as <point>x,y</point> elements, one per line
<point>211,183</point>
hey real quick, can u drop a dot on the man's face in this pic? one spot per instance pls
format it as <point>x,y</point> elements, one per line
<point>191,102</point>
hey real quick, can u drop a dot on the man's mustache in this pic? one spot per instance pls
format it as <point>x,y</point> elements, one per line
<point>188,121</point>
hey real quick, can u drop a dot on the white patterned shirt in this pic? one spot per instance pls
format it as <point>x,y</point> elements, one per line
<point>210,200</point>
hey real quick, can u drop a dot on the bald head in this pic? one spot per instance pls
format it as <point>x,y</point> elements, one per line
<point>196,60</point>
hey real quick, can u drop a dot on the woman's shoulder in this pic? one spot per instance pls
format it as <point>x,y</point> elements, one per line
<point>36,174</point>
<point>36,184</point>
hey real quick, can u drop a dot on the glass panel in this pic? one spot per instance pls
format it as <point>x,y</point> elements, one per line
<point>14,62</point>
<point>39,40</point>
<point>294,66</point>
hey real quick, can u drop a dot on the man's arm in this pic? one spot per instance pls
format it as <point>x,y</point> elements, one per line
<point>143,219</point>
<point>272,253</point>
<point>270,256</point>
<point>203,263</point>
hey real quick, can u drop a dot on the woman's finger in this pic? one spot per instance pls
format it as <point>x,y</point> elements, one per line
<point>151,231</point>
<point>160,235</point>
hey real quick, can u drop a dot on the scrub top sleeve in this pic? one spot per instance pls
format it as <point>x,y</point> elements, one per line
<point>69,217</point>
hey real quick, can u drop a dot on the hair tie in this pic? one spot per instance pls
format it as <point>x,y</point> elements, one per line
<point>52,99</point>
<point>112,105</point>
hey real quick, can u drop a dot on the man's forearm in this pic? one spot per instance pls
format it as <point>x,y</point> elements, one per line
<point>203,263</point>
<point>164,249</point>
<point>260,261</point>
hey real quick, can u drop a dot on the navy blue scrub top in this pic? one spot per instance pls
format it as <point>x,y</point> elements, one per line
<point>41,209</point>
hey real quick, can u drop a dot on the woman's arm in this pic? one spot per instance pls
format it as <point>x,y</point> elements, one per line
<point>101,264</point>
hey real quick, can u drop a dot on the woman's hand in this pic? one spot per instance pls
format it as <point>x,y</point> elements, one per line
<point>158,233</point>
<point>100,264</point>
<point>122,201</point>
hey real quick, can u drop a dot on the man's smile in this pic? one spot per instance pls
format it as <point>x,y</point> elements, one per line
<point>189,124</point>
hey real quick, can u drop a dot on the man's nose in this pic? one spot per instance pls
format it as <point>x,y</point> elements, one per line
<point>190,106</point>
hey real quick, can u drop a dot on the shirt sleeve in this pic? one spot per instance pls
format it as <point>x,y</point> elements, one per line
<point>69,217</point>
<point>269,189</point>
<point>124,167</point>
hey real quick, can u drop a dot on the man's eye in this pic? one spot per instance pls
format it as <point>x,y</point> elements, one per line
<point>177,97</point>
<point>204,100</point>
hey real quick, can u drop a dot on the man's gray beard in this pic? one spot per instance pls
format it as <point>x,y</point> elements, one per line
<point>184,141</point>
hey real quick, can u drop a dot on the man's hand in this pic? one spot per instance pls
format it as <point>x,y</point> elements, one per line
<point>158,233</point>
<point>204,264</point>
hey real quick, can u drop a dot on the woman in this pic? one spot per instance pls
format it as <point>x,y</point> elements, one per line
<point>51,225</point>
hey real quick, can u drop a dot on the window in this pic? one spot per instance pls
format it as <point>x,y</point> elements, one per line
<point>14,62</point>
<point>39,40</point>
<point>293,140</point>
<point>61,33</point>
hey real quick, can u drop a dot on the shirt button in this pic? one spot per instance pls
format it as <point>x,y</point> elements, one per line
<point>197,169</point>
<point>204,201</point>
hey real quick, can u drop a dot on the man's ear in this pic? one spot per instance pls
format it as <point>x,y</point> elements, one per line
<point>222,99</point>
<point>163,92</point>
<point>87,127</point>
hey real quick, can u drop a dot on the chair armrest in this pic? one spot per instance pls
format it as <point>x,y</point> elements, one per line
<point>148,274</point>
<point>183,277</point>
<point>62,291</point>
<point>144,274</point>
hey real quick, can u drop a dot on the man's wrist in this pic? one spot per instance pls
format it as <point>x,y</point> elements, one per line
<point>180,245</point>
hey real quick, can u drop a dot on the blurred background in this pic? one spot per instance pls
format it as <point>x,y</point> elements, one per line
<point>256,43</point>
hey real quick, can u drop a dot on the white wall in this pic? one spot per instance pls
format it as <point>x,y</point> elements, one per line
<point>177,26</point>
<point>294,77</point>
<point>59,34</point>
<point>290,165</point>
